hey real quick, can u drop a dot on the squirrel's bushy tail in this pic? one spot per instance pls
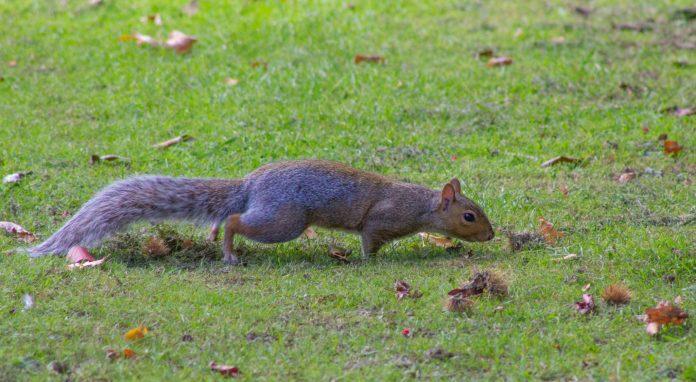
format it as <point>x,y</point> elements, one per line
<point>151,198</point>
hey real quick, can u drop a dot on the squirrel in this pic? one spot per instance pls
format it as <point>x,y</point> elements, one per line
<point>276,203</point>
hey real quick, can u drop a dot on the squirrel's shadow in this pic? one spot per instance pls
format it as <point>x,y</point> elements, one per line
<point>306,253</point>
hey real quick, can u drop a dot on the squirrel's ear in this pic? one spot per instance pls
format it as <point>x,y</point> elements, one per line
<point>447,196</point>
<point>457,186</point>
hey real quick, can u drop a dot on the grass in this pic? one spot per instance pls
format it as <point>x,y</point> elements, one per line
<point>431,112</point>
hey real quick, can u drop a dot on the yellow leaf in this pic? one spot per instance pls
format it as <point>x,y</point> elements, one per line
<point>136,333</point>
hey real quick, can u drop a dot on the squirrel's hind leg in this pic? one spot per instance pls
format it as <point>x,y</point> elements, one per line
<point>214,230</point>
<point>228,239</point>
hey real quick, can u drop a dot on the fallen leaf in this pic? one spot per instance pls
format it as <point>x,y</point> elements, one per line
<point>559,159</point>
<point>173,141</point>
<point>672,147</point>
<point>259,63</point>
<point>136,333</point>
<point>310,233</point>
<point>569,256</point>
<point>142,39</point>
<point>403,289</point>
<point>440,241</point>
<point>16,177</point>
<point>155,19</point>
<point>564,189</point>
<point>499,61</point>
<point>28,301</point>
<point>18,231</point>
<point>128,353</point>
<point>87,264</point>
<point>550,234</point>
<point>94,159</point>
<point>112,354</point>
<point>518,33</point>
<point>406,332</point>
<point>180,42</point>
<point>680,112</point>
<point>484,53</point>
<point>458,303</point>
<point>438,354</point>
<point>662,138</point>
<point>582,11</point>
<point>666,313</point>
<point>78,254</point>
<point>481,282</point>
<point>558,40</point>
<point>678,300</point>
<point>186,338</point>
<point>653,328</point>
<point>12,63</point>
<point>227,371</point>
<point>339,254</point>
<point>635,27</point>
<point>191,8</point>
<point>616,294</point>
<point>95,3</point>
<point>626,176</point>
<point>229,81</point>
<point>374,59</point>
<point>587,304</point>
<point>586,287</point>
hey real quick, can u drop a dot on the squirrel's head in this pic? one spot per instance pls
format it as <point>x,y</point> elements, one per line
<point>462,218</point>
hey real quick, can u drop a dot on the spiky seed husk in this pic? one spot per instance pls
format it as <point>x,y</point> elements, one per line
<point>616,294</point>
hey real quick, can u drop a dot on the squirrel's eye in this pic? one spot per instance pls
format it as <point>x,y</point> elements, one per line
<point>468,216</point>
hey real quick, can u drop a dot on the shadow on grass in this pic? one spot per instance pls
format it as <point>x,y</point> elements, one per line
<point>175,250</point>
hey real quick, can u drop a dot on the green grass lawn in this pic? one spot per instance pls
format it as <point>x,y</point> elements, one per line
<point>432,111</point>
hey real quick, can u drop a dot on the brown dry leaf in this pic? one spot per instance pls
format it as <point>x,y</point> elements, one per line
<point>339,254</point>
<point>626,176</point>
<point>141,39</point>
<point>672,147</point>
<point>12,63</point>
<point>112,354</point>
<point>440,241</point>
<point>559,159</point>
<point>485,53</point>
<point>94,159</point>
<point>403,289</point>
<point>128,353</point>
<point>666,313</point>
<point>136,333</point>
<point>229,81</point>
<point>155,19</point>
<point>310,233</point>
<point>18,231</point>
<point>373,59</point>
<point>173,141</point>
<point>226,370</point>
<point>16,177</point>
<point>180,42</point>
<point>87,264</point>
<point>78,254</point>
<point>458,303</point>
<point>479,283</point>
<point>587,304</point>
<point>499,61</point>
<point>616,294</point>
<point>550,234</point>
<point>564,189</point>
<point>582,11</point>
<point>191,8</point>
<point>259,64</point>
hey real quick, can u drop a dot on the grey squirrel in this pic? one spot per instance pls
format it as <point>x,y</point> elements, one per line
<point>276,203</point>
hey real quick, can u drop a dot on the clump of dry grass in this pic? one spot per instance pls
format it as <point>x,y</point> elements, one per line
<point>154,246</point>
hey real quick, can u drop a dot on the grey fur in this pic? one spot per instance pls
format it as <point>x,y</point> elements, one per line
<point>151,198</point>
